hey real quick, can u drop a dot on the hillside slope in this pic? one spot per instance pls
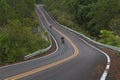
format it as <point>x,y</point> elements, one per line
<point>18,35</point>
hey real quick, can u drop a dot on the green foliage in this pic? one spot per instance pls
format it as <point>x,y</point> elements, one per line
<point>82,14</point>
<point>63,11</point>
<point>108,37</point>
<point>17,21</point>
<point>5,12</point>
<point>39,1</point>
<point>115,25</point>
<point>46,33</point>
<point>102,12</point>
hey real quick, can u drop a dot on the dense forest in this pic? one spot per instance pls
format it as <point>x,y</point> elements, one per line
<point>17,36</point>
<point>98,18</point>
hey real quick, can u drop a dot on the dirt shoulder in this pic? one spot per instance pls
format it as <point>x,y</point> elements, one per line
<point>114,72</point>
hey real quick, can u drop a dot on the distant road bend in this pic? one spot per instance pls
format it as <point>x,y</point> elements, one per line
<point>74,60</point>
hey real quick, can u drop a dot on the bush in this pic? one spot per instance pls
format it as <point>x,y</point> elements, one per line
<point>108,37</point>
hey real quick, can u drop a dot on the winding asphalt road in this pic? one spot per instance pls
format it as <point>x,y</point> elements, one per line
<point>74,60</point>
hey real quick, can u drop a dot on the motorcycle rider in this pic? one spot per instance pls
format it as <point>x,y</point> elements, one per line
<point>50,25</point>
<point>62,40</point>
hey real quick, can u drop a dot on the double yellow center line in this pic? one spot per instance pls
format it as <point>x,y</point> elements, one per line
<point>49,65</point>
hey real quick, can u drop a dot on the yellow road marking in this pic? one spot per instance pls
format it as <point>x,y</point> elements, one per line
<point>49,65</point>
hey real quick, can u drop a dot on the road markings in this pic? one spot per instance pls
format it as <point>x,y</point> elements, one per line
<point>105,73</point>
<point>49,65</point>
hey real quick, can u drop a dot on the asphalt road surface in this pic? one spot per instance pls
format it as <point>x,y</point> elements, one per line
<point>73,60</point>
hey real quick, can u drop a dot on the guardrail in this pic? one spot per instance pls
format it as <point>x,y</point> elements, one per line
<point>40,51</point>
<point>36,53</point>
<point>104,45</point>
<point>89,39</point>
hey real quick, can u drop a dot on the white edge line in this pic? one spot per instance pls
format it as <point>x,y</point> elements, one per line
<point>35,58</point>
<point>104,75</point>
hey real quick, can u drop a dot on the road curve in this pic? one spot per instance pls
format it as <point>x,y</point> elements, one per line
<point>74,60</point>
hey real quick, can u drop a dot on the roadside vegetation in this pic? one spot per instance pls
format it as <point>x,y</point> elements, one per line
<point>17,30</point>
<point>98,19</point>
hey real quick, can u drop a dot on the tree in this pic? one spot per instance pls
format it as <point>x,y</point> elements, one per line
<point>108,37</point>
<point>30,4</point>
<point>16,37</point>
<point>102,13</point>
<point>115,25</point>
<point>5,12</point>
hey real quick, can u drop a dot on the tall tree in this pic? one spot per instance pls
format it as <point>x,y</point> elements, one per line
<point>102,13</point>
<point>5,12</point>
